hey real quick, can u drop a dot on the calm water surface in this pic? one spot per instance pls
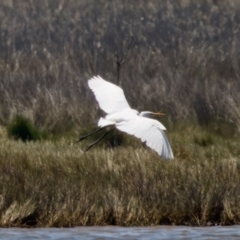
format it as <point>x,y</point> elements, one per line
<point>109,232</point>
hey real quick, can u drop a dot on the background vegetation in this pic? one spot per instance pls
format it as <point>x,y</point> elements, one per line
<point>184,61</point>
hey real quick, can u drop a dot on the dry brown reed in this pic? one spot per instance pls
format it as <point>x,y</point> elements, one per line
<point>184,59</point>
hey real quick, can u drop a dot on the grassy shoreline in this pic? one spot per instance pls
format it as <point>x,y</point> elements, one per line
<point>184,61</point>
<point>54,184</point>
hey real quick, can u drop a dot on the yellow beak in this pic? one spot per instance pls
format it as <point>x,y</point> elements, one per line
<point>158,114</point>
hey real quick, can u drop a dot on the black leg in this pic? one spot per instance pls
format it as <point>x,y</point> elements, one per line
<point>82,138</point>
<point>91,145</point>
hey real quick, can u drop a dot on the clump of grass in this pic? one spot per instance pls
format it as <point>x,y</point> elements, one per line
<point>204,140</point>
<point>21,128</point>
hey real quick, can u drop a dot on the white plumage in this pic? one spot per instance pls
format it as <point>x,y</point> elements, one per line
<point>111,100</point>
<point>110,97</point>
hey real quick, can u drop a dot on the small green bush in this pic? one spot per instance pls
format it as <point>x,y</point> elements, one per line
<point>21,128</point>
<point>204,140</point>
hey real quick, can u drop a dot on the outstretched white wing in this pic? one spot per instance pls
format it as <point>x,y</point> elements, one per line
<point>149,131</point>
<point>110,97</point>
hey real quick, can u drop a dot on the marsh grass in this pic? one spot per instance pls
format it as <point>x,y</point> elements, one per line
<point>184,61</point>
<point>54,183</point>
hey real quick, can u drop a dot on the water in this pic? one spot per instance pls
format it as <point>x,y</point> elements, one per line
<point>110,232</point>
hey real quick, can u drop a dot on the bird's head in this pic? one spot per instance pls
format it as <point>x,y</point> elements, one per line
<point>149,114</point>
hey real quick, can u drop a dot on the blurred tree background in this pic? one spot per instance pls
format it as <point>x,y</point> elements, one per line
<point>184,59</point>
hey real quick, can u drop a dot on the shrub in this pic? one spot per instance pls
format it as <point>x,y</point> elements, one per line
<point>21,128</point>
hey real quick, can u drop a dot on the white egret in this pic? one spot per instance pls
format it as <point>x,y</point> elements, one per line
<point>112,101</point>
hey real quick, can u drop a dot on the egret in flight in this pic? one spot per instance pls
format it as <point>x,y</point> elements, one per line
<point>112,101</point>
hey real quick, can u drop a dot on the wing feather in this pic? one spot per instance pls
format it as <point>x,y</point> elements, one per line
<point>149,131</point>
<point>110,97</point>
